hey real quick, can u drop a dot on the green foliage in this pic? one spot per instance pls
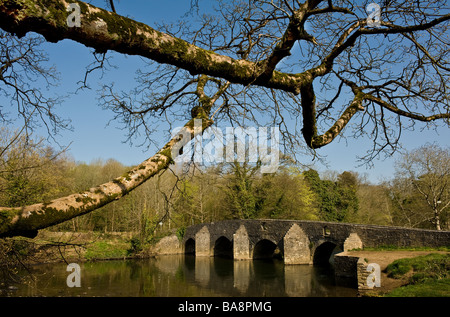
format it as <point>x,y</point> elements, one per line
<point>286,195</point>
<point>169,202</point>
<point>281,195</point>
<point>240,191</point>
<point>337,200</point>
<point>180,233</point>
<point>30,172</point>
<point>135,246</point>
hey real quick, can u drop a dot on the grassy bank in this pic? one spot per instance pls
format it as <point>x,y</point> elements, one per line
<point>50,247</point>
<point>396,248</point>
<point>427,276</point>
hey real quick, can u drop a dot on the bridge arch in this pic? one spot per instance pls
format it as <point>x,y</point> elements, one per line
<point>324,252</point>
<point>223,247</point>
<point>189,246</point>
<point>266,249</point>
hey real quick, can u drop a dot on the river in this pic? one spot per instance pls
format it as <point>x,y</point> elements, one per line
<point>179,276</point>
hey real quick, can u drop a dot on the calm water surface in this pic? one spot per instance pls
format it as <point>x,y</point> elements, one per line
<point>183,276</point>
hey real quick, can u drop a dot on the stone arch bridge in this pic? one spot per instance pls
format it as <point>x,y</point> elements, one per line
<point>299,241</point>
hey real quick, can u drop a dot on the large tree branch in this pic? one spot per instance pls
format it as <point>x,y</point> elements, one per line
<point>27,220</point>
<point>295,31</point>
<point>309,130</point>
<point>104,30</point>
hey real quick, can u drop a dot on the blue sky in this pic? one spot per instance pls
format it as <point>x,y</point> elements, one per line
<point>93,139</point>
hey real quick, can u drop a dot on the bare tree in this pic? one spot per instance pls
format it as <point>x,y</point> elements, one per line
<point>426,171</point>
<point>22,67</point>
<point>305,66</point>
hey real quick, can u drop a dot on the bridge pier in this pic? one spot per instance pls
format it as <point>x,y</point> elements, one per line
<point>241,244</point>
<point>203,242</point>
<point>296,246</point>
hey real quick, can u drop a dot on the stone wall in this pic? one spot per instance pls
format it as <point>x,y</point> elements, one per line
<point>203,242</point>
<point>356,272</point>
<point>300,242</point>
<point>168,245</point>
<point>345,266</point>
<point>368,275</point>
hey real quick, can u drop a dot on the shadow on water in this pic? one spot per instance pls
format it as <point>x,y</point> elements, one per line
<point>181,275</point>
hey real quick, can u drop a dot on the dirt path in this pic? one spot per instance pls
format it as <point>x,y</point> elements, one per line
<point>384,258</point>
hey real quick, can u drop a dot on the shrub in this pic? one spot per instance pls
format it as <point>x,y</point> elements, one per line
<point>135,246</point>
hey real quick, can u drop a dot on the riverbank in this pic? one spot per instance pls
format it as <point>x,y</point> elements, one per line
<point>386,257</point>
<point>53,247</point>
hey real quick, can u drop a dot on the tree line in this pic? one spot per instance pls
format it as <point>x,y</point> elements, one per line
<point>32,172</point>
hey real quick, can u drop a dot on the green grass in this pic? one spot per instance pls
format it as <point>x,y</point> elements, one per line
<point>429,288</point>
<point>396,248</point>
<point>106,250</point>
<point>428,276</point>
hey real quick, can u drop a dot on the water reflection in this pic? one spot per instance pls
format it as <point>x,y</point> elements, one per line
<point>180,275</point>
